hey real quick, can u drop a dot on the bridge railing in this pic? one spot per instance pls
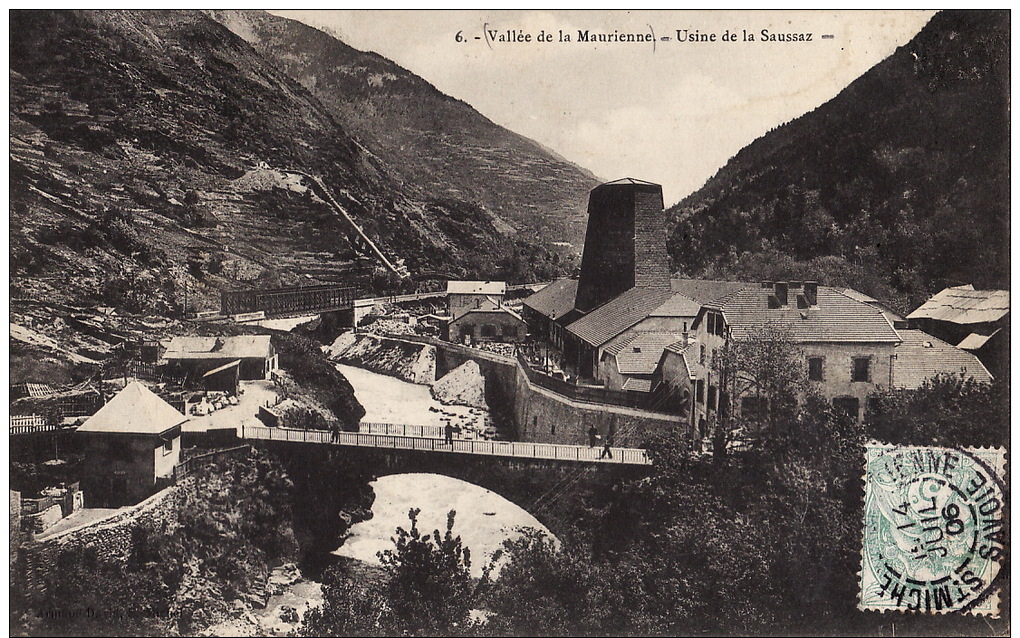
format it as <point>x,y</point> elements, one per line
<point>518,449</point>
<point>401,429</point>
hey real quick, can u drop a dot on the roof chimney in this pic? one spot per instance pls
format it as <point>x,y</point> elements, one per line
<point>782,293</point>
<point>811,292</point>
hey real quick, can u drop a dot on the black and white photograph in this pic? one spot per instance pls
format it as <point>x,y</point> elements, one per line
<point>509,322</point>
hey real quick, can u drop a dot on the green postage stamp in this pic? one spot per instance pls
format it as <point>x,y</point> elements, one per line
<point>933,529</point>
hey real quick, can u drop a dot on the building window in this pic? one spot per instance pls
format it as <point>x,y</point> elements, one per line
<point>849,406</point>
<point>488,330</point>
<point>711,397</point>
<point>815,368</point>
<point>700,390</point>
<point>703,354</point>
<point>861,370</point>
<point>711,323</point>
<point>168,446</point>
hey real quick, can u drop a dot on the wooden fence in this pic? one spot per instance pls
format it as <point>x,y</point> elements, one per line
<point>30,424</point>
<point>185,468</point>
<point>516,449</point>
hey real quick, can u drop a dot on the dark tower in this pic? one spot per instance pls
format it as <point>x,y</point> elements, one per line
<point>625,244</point>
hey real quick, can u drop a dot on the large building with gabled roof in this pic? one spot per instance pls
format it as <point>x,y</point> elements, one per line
<point>131,446</point>
<point>626,326</point>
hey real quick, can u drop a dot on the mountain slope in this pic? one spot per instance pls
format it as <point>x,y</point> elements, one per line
<point>899,185</point>
<point>432,140</point>
<point>148,151</point>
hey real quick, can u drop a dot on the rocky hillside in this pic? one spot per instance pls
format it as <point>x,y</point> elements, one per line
<point>151,162</point>
<point>897,186</point>
<point>430,139</point>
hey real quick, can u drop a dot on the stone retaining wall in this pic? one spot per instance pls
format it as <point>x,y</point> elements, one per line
<point>110,537</point>
<point>539,414</point>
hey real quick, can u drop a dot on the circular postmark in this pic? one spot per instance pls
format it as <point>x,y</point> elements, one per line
<point>933,528</point>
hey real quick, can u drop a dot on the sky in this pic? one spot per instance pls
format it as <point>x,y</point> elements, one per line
<point>670,112</point>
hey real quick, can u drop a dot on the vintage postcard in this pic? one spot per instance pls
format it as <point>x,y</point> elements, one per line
<point>509,322</point>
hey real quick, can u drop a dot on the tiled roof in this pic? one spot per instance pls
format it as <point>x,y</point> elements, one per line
<point>641,353</point>
<point>638,385</point>
<point>682,350</point>
<point>706,291</point>
<point>889,313</point>
<point>964,305</point>
<point>922,356</point>
<point>679,305</point>
<point>135,410</point>
<point>491,311</point>
<point>975,341</point>
<point>613,317</point>
<point>238,347</point>
<point>476,287</point>
<point>555,300</point>
<point>836,318</point>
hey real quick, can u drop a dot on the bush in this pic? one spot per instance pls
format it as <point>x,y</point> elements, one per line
<point>430,588</point>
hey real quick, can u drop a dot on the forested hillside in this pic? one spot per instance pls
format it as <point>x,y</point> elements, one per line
<point>898,186</point>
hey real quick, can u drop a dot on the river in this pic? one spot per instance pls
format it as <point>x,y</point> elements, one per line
<point>388,399</point>
<point>484,519</point>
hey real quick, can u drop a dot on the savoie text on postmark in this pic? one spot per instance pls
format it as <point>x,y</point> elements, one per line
<point>933,533</point>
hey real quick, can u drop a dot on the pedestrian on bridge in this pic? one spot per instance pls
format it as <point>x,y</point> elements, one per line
<point>335,433</point>
<point>605,450</point>
<point>448,430</point>
<point>593,436</point>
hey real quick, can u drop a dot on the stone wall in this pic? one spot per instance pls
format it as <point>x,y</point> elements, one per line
<point>42,521</point>
<point>538,415</point>
<point>545,417</point>
<point>110,537</point>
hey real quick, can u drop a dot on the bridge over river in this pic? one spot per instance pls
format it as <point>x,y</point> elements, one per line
<point>477,448</point>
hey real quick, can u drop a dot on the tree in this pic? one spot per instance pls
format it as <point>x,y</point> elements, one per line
<point>349,608</point>
<point>430,590</point>
<point>949,410</point>
<point>543,590</point>
<point>765,365</point>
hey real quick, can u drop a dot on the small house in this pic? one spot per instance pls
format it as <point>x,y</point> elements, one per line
<point>463,296</point>
<point>488,324</point>
<point>196,356</point>
<point>131,446</point>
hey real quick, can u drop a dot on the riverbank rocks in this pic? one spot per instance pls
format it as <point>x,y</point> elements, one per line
<point>282,578</point>
<point>463,385</point>
<point>413,362</point>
